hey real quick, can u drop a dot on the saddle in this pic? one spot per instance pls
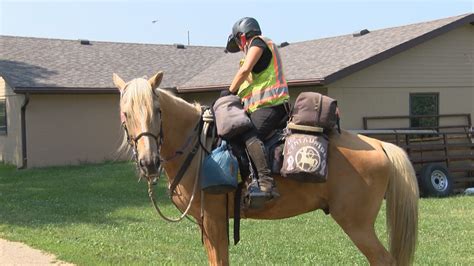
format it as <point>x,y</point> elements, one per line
<point>273,143</point>
<point>298,144</point>
<point>297,148</point>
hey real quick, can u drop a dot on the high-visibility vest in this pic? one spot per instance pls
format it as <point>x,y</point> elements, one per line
<point>267,88</point>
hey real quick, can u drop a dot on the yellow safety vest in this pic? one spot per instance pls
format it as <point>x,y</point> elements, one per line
<point>267,88</point>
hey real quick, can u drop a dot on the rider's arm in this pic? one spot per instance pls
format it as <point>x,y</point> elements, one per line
<point>254,53</point>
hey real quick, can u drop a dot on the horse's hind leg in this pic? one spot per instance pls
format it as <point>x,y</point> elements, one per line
<point>215,229</point>
<point>358,223</point>
<point>366,240</point>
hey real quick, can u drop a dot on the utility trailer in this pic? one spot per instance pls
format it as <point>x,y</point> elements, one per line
<point>442,155</point>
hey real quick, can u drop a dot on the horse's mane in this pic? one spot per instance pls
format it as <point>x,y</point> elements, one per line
<point>138,106</point>
<point>170,99</point>
<point>137,102</point>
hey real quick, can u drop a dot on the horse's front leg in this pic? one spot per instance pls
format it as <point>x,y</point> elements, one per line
<point>215,229</point>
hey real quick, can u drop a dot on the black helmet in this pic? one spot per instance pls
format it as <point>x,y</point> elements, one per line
<point>247,26</point>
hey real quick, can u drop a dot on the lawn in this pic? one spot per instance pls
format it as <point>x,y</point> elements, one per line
<point>99,214</point>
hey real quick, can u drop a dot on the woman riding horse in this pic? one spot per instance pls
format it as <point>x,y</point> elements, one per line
<point>361,172</point>
<point>261,85</point>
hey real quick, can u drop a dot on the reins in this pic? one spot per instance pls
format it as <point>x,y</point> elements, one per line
<point>175,183</point>
<point>196,133</point>
<point>157,208</point>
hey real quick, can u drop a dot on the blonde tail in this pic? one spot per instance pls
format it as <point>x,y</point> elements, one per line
<point>402,205</point>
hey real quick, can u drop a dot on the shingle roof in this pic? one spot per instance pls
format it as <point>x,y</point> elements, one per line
<point>322,61</point>
<point>52,65</point>
<point>37,64</point>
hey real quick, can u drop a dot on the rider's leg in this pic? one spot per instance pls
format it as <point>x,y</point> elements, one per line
<point>264,120</point>
<point>257,153</point>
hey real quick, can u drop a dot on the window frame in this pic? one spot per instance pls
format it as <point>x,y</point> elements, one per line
<point>411,106</point>
<point>4,131</point>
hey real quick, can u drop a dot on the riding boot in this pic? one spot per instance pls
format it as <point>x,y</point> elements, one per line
<point>266,183</point>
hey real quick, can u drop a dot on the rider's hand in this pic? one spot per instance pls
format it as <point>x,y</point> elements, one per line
<point>225,92</point>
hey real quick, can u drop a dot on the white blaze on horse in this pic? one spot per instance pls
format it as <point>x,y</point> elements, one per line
<point>362,171</point>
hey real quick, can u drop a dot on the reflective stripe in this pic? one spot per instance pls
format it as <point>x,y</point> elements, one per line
<point>277,60</point>
<point>263,93</point>
<point>265,96</point>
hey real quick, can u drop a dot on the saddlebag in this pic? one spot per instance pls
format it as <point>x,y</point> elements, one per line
<point>315,109</point>
<point>306,144</point>
<point>231,118</point>
<point>305,157</point>
<point>219,170</point>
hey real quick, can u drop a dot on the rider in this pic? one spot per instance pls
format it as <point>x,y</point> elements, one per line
<point>261,85</point>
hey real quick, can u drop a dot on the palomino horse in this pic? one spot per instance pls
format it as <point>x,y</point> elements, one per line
<point>362,171</point>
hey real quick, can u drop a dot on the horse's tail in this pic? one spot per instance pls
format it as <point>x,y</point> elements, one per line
<point>402,205</point>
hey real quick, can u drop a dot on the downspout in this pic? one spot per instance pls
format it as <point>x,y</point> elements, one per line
<point>23,132</point>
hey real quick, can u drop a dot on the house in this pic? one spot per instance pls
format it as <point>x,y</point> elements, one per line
<point>60,103</point>
<point>374,73</point>
<point>60,106</point>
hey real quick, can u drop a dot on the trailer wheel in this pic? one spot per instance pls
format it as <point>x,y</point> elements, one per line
<point>436,180</point>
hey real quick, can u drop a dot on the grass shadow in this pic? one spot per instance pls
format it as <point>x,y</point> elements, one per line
<point>76,194</point>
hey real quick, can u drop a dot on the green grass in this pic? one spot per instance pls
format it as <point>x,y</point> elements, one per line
<point>99,214</point>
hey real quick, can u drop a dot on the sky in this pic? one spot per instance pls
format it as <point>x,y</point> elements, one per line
<point>209,22</point>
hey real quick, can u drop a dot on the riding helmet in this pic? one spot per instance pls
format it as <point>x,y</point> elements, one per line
<point>248,26</point>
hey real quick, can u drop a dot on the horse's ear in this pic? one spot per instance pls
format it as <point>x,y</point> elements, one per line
<point>156,80</point>
<point>119,83</point>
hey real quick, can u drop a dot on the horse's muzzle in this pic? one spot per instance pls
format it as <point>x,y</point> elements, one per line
<point>149,165</point>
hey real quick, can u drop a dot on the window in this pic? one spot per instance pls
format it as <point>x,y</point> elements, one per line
<point>3,117</point>
<point>424,104</point>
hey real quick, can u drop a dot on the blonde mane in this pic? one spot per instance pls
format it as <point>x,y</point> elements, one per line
<point>138,106</point>
<point>137,103</point>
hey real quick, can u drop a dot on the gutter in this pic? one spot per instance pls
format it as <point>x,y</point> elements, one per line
<point>202,88</point>
<point>213,88</point>
<point>73,90</point>
<point>307,82</point>
<point>23,132</point>
<point>65,90</point>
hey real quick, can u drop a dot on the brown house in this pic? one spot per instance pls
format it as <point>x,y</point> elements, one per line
<point>59,106</point>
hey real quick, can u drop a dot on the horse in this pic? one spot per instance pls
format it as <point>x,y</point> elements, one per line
<point>362,171</point>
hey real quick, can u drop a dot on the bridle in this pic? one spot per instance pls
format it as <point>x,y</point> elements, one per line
<point>132,141</point>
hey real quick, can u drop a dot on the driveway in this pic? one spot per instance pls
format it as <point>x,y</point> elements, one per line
<point>15,253</point>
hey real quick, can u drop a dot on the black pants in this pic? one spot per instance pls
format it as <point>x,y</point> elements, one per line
<point>264,121</point>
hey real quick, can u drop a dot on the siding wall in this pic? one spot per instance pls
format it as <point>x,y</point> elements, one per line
<point>442,65</point>
<point>72,129</point>
<point>10,144</point>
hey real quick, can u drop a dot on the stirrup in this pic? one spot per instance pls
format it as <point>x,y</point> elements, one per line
<point>255,198</point>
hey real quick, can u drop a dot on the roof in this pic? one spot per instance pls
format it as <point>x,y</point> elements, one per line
<point>66,66</point>
<point>322,61</point>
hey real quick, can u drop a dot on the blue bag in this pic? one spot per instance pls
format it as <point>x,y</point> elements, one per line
<point>219,171</point>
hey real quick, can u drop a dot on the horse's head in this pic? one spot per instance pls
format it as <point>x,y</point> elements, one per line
<point>141,119</point>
